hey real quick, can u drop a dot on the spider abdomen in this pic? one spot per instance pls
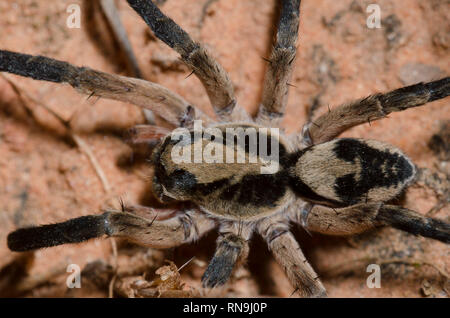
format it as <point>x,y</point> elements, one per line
<point>349,171</point>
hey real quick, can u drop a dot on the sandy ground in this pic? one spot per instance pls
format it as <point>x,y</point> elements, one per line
<point>46,178</point>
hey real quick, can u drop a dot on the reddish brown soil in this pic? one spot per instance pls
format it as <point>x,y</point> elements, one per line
<point>44,178</point>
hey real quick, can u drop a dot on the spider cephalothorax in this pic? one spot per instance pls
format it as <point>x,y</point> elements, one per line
<point>241,174</point>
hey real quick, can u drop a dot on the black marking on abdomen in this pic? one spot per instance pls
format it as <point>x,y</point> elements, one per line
<point>397,170</point>
<point>297,185</point>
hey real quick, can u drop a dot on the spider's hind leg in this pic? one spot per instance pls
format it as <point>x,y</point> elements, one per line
<point>281,62</point>
<point>361,217</point>
<point>415,223</point>
<point>336,121</point>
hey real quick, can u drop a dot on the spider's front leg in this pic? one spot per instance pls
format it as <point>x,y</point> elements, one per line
<point>374,107</point>
<point>183,228</point>
<point>289,255</point>
<point>361,217</point>
<point>281,62</point>
<point>145,94</point>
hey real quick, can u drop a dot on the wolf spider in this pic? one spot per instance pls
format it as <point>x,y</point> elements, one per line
<point>328,185</point>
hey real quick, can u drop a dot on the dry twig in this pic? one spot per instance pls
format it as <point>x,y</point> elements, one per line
<point>81,144</point>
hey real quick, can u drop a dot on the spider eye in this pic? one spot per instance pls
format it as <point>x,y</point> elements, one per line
<point>182,179</point>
